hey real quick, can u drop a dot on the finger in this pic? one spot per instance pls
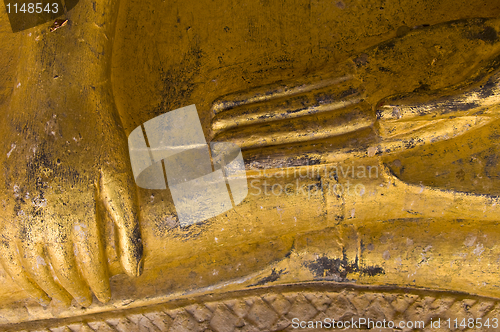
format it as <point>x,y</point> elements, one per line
<point>12,265</point>
<point>38,266</point>
<point>326,99</point>
<point>64,265</point>
<point>275,91</point>
<point>414,106</point>
<point>119,196</point>
<point>89,254</point>
<point>307,128</point>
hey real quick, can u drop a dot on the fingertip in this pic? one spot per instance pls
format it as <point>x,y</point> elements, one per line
<point>140,267</point>
<point>120,200</point>
<point>104,297</point>
<point>137,271</point>
<point>84,301</point>
<point>59,303</point>
<point>84,298</point>
<point>13,267</point>
<point>38,267</point>
<point>64,266</point>
<point>101,288</point>
<point>130,248</point>
<point>131,256</point>
<point>90,257</point>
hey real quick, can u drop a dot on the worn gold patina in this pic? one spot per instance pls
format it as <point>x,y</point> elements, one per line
<point>370,135</point>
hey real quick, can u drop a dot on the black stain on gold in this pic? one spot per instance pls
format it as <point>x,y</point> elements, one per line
<point>275,275</point>
<point>337,269</point>
<point>489,35</point>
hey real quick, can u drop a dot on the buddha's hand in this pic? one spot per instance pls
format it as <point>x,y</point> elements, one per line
<point>65,172</point>
<point>443,71</point>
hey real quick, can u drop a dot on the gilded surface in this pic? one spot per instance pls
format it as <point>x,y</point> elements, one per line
<point>370,135</point>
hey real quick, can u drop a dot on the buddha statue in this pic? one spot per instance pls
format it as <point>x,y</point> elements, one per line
<point>370,148</point>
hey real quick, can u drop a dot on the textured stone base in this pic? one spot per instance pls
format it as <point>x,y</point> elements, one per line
<point>274,308</point>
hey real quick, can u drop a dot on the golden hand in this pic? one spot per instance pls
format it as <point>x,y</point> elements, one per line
<point>429,85</point>
<point>65,165</point>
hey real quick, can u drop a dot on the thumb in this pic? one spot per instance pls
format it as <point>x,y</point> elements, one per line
<point>119,195</point>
